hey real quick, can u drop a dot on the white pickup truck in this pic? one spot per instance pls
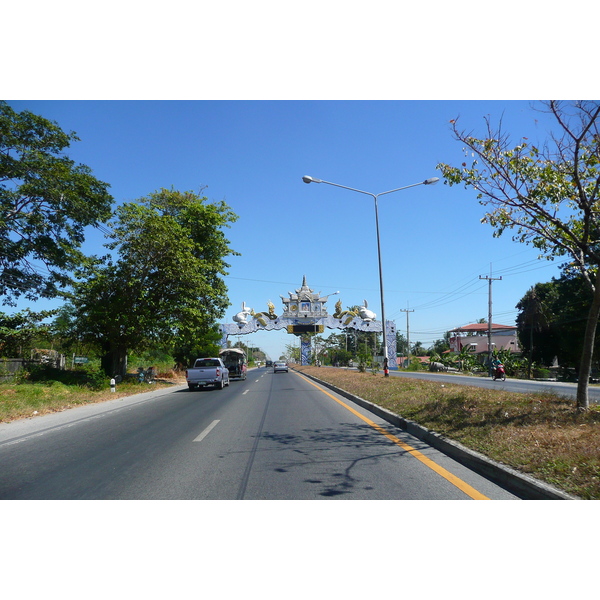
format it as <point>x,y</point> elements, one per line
<point>207,371</point>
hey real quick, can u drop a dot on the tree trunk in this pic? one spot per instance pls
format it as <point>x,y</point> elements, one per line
<point>585,366</point>
<point>114,362</point>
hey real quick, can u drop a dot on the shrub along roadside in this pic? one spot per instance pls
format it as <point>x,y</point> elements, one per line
<point>538,434</point>
<point>86,377</point>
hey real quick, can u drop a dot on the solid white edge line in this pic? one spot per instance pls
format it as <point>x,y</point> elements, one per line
<point>206,432</point>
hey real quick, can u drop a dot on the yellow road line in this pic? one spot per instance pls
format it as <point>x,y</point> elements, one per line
<point>459,483</point>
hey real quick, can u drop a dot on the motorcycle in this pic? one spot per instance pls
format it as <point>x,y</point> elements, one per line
<point>499,373</point>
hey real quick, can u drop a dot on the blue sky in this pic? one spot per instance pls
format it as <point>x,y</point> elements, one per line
<point>253,154</point>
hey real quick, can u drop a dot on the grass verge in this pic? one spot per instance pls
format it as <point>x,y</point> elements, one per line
<point>31,399</point>
<point>538,434</point>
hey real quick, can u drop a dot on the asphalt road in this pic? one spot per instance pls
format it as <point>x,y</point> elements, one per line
<point>273,436</point>
<point>568,390</point>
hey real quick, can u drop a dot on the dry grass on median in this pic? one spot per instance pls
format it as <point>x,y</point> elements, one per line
<point>26,400</point>
<point>538,434</point>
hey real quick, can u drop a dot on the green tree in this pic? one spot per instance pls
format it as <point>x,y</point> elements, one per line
<point>537,340</point>
<point>418,349</point>
<point>335,351</point>
<point>466,359</point>
<point>552,321</point>
<point>206,344</point>
<point>46,201</point>
<point>63,330</point>
<point>166,286</point>
<point>18,332</point>
<point>442,345</point>
<point>401,344</point>
<point>547,196</point>
<point>292,353</point>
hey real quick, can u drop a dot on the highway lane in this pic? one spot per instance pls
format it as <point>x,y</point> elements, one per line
<point>273,436</point>
<point>523,386</point>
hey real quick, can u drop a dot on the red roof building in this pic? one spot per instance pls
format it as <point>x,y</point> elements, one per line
<point>475,335</point>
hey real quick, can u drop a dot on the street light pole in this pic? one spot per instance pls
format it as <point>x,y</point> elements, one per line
<point>430,181</point>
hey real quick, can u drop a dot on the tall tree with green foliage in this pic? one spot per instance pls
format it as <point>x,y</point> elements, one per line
<point>552,320</point>
<point>536,337</point>
<point>206,344</point>
<point>549,196</point>
<point>442,345</point>
<point>166,287</point>
<point>46,201</point>
<point>19,331</point>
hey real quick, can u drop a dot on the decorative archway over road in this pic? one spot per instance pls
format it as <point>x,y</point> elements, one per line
<point>304,312</point>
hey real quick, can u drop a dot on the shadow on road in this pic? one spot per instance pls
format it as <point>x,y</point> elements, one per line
<point>339,460</point>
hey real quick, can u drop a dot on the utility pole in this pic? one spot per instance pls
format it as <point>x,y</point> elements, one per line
<point>407,334</point>
<point>490,279</point>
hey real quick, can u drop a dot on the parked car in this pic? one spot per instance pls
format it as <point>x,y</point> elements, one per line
<point>207,371</point>
<point>279,365</point>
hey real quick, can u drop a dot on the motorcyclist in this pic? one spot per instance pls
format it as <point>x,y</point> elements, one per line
<point>497,367</point>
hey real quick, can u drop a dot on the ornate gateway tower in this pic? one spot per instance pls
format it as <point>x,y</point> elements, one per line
<point>305,312</point>
<point>304,308</point>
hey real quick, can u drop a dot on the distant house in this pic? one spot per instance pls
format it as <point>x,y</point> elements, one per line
<point>403,364</point>
<point>504,337</point>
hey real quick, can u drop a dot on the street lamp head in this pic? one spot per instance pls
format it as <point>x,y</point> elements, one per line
<point>309,179</point>
<point>431,180</point>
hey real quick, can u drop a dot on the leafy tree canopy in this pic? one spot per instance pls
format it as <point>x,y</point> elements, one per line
<point>166,286</point>
<point>552,320</point>
<point>46,201</point>
<point>547,195</point>
<point>20,330</point>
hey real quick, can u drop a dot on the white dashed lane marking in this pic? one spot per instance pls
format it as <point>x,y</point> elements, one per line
<point>206,431</point>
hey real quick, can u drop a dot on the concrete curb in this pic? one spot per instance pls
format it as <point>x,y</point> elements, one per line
<point>521,485</point>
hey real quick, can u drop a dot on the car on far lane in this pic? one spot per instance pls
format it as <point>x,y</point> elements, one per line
<point>279,365</point>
